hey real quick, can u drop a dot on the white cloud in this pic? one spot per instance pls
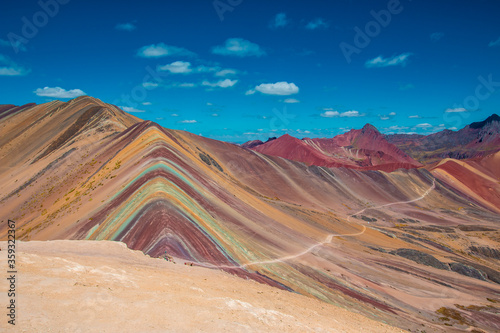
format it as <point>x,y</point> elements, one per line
<point>10,68</point>
<point>221,84</point>
<point>387,117</point>
<point>184,67</point>
<point>226,72</point>
<point>150,84</point>
<point>209,104</point>
<point>162,50</point>
<point>206,69</point>
<point>188,121</point>
<point>177,67</point>
<point>436,36</point>
<point>125,27</point>
<point>279,21</point>
<point>456,110</point>
<point>397,128</point>
<point>147,103</point>
<point>278,88</point>
<point>317,23</point>
<point>350,114</point>
<point>12,71</point>
<point>414,117</point>
<point>399,60</point>
<point>250,92</point>
<point>494,43</point>
<point>215,115</point>
<point>174,115</point>
<point>185,85</point>
<point>131,109</point>
<point>238,47</point>
<point>181,85</point>
<point>428,128</point>
<point>330,114</point>
<point>291,101</point>
<point>58,92</point>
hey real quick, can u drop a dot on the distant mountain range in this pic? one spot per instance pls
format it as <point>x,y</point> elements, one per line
<point>368,149</point>
<point>475,140</point>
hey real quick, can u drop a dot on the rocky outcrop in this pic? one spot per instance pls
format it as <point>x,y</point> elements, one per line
<point>485,251</point>
<point>468,271</point>
<point>421,258</point>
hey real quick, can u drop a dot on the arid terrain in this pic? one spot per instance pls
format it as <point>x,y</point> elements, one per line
<point>88,286</point>
<point>367,229</point>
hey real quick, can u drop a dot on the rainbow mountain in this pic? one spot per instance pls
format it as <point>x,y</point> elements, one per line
<point>416,247</point>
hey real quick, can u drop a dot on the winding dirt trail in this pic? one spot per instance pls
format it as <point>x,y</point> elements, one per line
<point>327,240</point>
<point>398,202</point>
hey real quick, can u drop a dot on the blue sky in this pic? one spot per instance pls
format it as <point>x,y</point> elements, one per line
<point>238,70</point>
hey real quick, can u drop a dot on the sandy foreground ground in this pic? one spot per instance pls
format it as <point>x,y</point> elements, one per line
<point>100,286</point>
